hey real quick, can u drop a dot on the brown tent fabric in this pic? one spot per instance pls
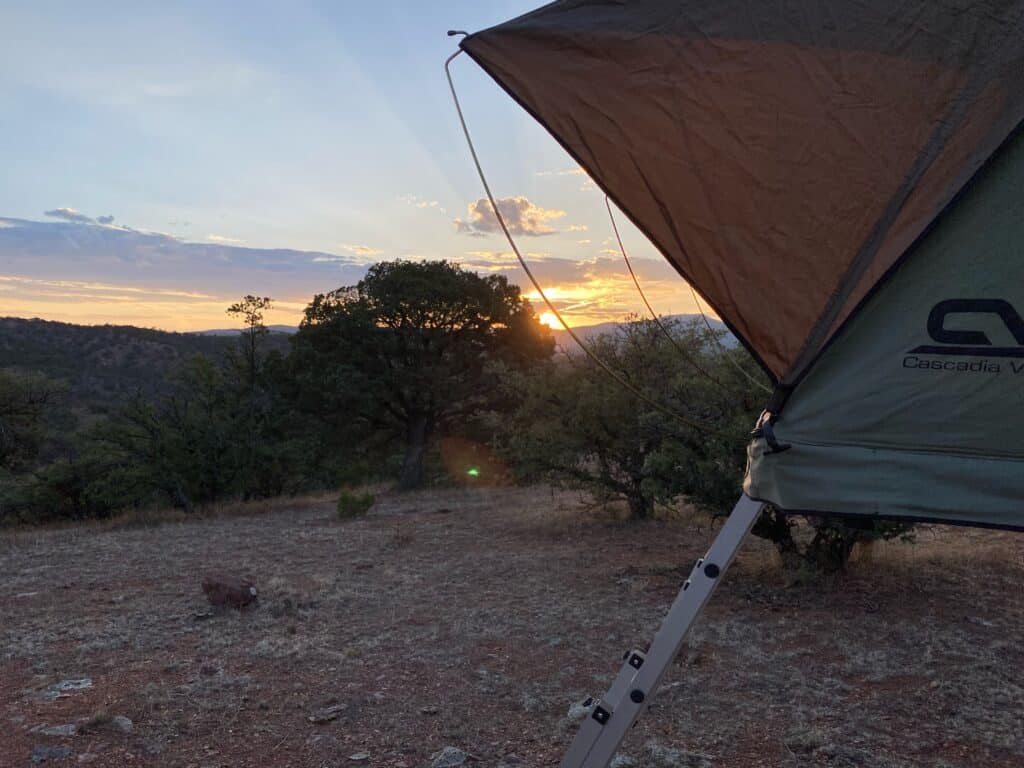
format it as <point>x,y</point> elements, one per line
<point>782,156</point>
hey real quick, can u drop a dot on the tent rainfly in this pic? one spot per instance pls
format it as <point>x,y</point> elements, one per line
<point>844,183</point>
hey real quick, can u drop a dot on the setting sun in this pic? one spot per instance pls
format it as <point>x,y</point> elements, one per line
<point>549,319</point>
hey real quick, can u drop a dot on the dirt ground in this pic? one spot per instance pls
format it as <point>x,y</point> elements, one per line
<point>475,619</point>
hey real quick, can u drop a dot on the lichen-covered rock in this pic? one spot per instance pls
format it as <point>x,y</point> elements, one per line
<point>227,591</point>
<point>449,757</point>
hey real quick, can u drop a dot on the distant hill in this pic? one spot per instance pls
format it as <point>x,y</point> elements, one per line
<point>103,364</point>
<point>287,330</point>
<point>585,332</point>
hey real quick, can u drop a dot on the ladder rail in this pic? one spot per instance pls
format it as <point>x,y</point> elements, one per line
<point>611,718</point>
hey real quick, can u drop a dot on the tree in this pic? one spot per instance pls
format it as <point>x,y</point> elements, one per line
<point>250,311</point>
<point>255,399</point>
<point>181,446</point>
<point>411,350</point>
<point>576,426</point>
<point>26,399</point>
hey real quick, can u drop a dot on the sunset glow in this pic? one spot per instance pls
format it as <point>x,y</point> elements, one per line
<point>549,319</point>
<point>211,208</point>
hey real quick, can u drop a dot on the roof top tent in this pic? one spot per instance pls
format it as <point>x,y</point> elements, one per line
<point>844,183</point>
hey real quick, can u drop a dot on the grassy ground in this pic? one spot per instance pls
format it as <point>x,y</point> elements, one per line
<point>475,619</point>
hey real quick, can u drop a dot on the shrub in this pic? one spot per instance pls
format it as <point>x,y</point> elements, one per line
<point>354,504</point>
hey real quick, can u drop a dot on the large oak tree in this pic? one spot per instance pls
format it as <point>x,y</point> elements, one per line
<point>412,350</point>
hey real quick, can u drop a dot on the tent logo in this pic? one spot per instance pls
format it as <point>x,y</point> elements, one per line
<point>972,343</point>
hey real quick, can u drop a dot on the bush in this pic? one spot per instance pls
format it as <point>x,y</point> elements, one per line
<point>354,504</point>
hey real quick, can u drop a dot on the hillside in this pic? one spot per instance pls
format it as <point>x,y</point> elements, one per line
<point>102,364</point>
<point>585,332</point>
<point>476,620</point>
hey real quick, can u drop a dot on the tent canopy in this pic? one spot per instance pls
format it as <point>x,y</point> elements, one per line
<point>782,156</point>
<point>844,183</point>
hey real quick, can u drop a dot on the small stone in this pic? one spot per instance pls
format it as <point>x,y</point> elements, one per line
<point>57,690</point>
<point>449,757</point>
<point>69,729</point>
<point>430,711</point>
<point>43,752</point>
<point>623,761</point>
<point>122,724</point>
<point>226,591</point>
<point>359,757</point>
<point>578,711</point>
<point>668,757</point>
<point>328,714</point>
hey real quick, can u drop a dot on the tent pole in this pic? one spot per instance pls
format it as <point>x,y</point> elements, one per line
<point>610,719</point>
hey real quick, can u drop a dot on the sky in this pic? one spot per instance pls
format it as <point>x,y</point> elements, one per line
<point>161,160</point>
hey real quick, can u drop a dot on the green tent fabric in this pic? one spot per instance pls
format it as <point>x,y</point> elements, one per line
<point>917,409</point>
<point>844,183</point>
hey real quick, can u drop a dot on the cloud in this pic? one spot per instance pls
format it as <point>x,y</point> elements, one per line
<point>578,228</point>
<point>521,216</point>
<point>105,219</point>
<point>61,250</point>
<point>69,214</point>
<point>223,240</point>
<point>423,204</point>
<point>575,171</point>
<point>87,301</point>
<point>364,251</point>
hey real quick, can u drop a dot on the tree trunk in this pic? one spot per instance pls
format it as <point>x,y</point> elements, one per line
<point>639,506</point>
<point>181,499</point>
<point>773,526</point>
<point>417,435</point>
<point>830,548</point>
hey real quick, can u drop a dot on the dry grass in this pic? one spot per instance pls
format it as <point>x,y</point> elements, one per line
<point>475,618</point>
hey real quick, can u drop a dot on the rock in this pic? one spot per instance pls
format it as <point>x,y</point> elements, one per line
<point>57,690</point>
<point>327,714</point>
<point>430,711</point>
<point>449,757</point>
<point>43,752</point>
<point>359,757</point>
<point>623,761</point>
<point>579,711</point>
<point>226,591</point>
<point>69,729</point>
<point>531,703</point>
<point>122,724</point>
<point>669,757</point>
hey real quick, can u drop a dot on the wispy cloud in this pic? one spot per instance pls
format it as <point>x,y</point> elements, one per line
<point>70,214</point>
<point>85,285</point>
<point>83,301</point>
<point>590,290</point>
<point>574,171</point>
<point>521,217</point>
<point>224,240</point>
<point>363,251</point>
<point>422,203</point>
